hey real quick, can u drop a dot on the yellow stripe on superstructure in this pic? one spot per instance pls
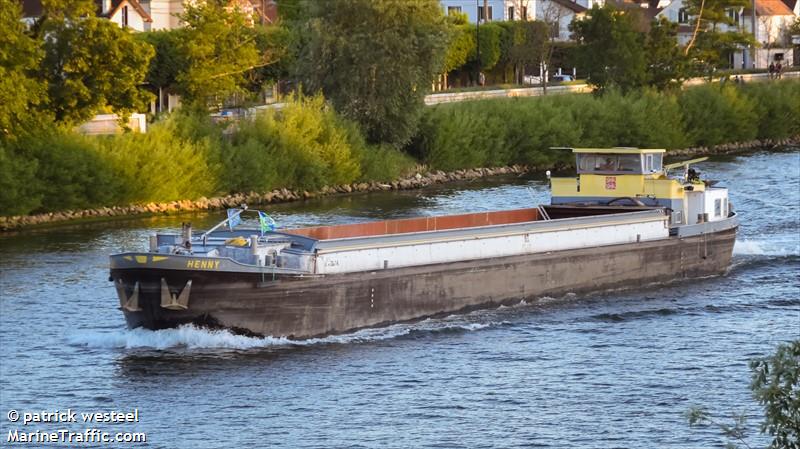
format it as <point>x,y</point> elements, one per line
<point>624,185</point>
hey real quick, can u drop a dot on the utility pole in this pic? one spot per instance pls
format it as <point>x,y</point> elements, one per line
<point>478,39</point>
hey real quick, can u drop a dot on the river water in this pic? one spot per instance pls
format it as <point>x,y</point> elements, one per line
<point>614,369</point>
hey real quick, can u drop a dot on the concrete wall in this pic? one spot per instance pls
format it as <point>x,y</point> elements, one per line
<point>103,124</point>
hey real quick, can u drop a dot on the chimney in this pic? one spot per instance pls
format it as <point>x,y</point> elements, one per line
<point>106,6</point>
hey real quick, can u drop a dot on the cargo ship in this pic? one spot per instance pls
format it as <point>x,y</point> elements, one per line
<point>625,220</point>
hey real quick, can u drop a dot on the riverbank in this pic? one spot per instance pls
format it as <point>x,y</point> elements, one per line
<point>186,163</point>
<point>422,178</point>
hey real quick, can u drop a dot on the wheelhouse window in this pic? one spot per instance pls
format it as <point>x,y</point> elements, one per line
<point>614,163</point>
<point>652,163</point>
<point>629,163</point>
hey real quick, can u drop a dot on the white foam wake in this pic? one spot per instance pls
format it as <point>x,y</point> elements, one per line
<point>764,248</point>
<point>192,337</point>
<point>187,336</point>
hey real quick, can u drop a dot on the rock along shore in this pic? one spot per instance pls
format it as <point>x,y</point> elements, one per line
<point>416,181</point>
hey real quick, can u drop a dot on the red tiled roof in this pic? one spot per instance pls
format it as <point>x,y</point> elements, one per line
<point>570,5</point>
<point>770,8</point>
<point>117,4</point>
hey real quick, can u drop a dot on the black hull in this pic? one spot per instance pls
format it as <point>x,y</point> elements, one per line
<point>303,307</point>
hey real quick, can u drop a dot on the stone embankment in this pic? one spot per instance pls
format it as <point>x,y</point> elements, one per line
<point>416,181</point>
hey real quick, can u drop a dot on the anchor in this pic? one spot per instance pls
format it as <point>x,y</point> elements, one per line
<point>175,302</point>
<point>131,304</point>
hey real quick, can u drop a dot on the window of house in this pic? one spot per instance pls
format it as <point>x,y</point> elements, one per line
<point>733,14</point>
<point>124,17</point>
<point>453,9</point>
<point>480,13</point>
<point>683,16</point>
<point>510,13</point>
<point>648,163</point>
<point>555,30</point>
<point>524,14</point>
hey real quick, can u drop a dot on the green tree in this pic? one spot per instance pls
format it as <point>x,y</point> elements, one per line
<point>20,92</point>
<point>667,66</point>
<point>611,49</point>
<point>374,60</point>
<point>714,33</point>
<point>488,51</point>
<point>219,47</point>
<point>794,29</point>
<point>776,386</point>
<point>89,63</point>
<point>524,44</point>
<point>461,46</point>
<point>168,62</point>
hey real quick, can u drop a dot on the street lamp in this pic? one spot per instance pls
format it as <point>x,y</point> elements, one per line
<point>478,39</point>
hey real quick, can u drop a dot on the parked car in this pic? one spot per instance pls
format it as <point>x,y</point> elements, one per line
<point>553,79</point>
<point>561,78</point>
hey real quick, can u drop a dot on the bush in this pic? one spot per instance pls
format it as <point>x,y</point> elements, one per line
<point>502,132</point>
<point>642,118</point>
<point>777,106</point>
<point>163,164</point>
<point>71,173</point>
<point>383,163</point>
<point>715,114</point>
<point>18,183</point>
<point>522,130</point>
<point>304,145</point>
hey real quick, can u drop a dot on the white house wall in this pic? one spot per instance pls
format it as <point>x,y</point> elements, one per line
<point>548,11</point>
<point>470,8</point>
<point>135,21</point>
<point>164,13</point>
<point>530,242</point>
<point>771,29</point>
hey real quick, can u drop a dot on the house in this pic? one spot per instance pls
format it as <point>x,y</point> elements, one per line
<point>164,13</point>
<point>773,18</point>
<point>126,13</point>
<point>560,12</point>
